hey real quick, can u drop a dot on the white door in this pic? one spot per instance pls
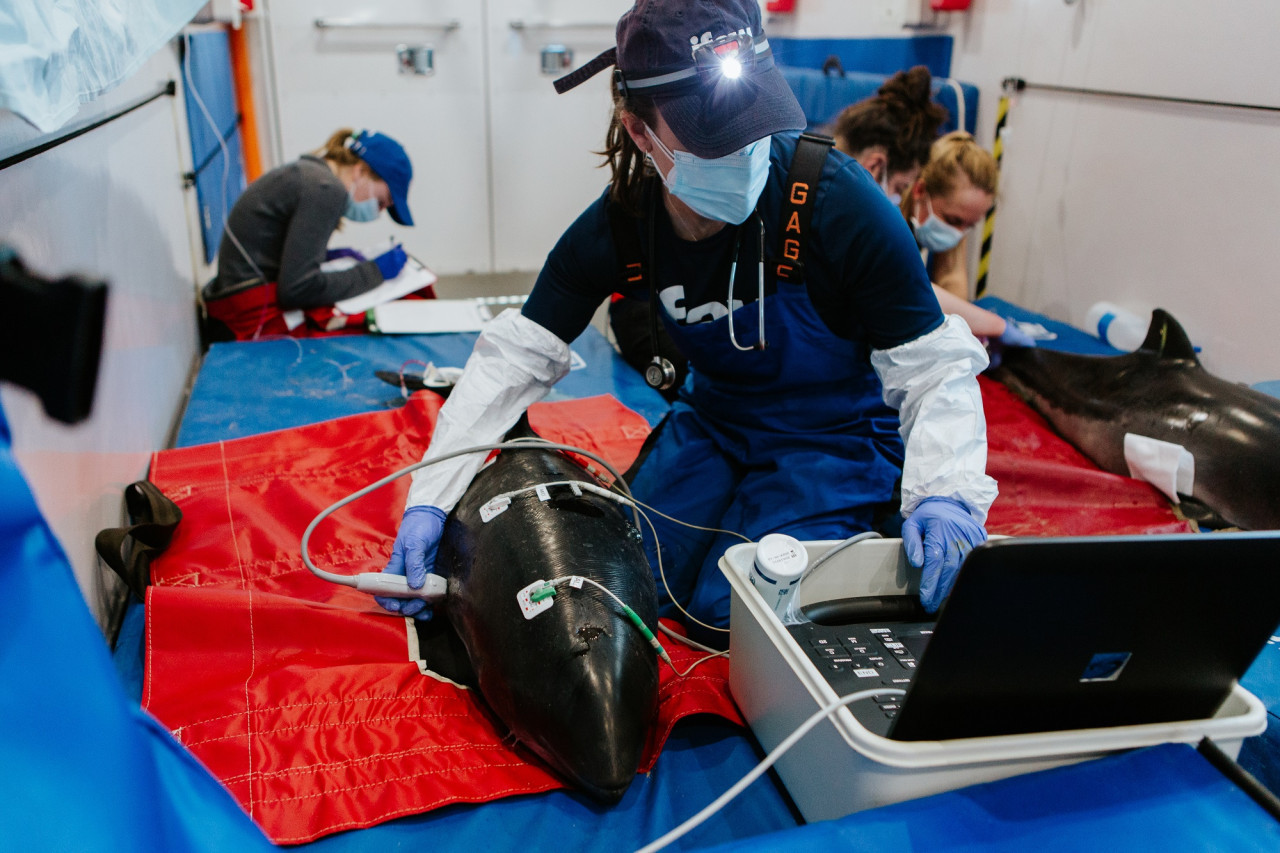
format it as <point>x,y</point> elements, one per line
<point>545,169</point>
<point>336,64</point>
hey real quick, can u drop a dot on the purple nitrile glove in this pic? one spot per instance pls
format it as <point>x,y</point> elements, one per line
<point>391,262</point>
<point>938,535</point>
<point>1014,336</point>
<point>413,555</point>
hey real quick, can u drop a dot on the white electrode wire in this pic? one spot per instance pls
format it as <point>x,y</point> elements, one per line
<point>770,759</point>
<point>662,573</point>
<point>698,662</point>
<point>640,508</point>
<point>693,644</point>
<point>525,444</point>
<point>661,652</point>
<point>646,506</point>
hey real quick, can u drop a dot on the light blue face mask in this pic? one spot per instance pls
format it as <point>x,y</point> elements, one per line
<point>361,211</point>
<point>725,189</point>
<point>934,234</point>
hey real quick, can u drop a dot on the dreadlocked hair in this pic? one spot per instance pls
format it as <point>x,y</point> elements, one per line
<point>630,167</point>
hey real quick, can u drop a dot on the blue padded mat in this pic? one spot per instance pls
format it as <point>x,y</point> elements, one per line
<point>1163,798</point>
<point>250,387</point>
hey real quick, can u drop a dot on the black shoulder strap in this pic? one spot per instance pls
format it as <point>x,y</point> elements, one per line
<point>797,205</point>
<point>626,244</point>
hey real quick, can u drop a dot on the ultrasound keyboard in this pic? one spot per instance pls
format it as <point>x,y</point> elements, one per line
<point>859,657</point>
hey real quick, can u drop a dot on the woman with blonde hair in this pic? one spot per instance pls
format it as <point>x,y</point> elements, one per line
<point>277,235</point>
<point>955,190</point>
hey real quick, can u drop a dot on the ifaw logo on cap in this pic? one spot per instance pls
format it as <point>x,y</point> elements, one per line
<point>696,42</point>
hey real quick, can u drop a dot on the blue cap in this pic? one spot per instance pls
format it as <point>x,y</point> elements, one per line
<point>672,52</point>
<point>388,161</point>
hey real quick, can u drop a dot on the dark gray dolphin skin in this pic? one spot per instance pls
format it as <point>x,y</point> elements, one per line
<point>1161,391</point>
<point>578,683</point>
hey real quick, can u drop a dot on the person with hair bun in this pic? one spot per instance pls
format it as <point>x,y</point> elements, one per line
<point>890,133</point>
<point>277,234</point>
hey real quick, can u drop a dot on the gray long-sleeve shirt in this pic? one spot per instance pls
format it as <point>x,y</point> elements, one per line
<point>284,221</point>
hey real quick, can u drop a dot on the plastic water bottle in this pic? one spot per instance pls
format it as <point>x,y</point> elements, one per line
<point>1122,329</point>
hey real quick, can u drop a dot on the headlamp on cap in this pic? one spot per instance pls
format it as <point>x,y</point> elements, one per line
<point>727,58</point>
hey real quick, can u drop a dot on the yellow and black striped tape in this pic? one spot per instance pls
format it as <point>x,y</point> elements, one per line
<point>988,226</point>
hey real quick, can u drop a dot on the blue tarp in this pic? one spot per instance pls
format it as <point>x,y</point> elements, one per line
<point>84,768</point>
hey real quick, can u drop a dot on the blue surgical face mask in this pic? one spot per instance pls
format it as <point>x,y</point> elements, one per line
<point>361,211</point>
<point>725,189</point>
<point>896,198</point>
<point>934,234</point>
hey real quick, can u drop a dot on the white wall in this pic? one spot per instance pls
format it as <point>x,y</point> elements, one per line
<point>1142,203</point>
<point>110,205</point>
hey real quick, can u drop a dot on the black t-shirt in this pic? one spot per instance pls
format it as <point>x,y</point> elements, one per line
<point>863,271</point>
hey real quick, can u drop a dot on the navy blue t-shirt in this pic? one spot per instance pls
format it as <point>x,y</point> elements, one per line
<point>862,267</point>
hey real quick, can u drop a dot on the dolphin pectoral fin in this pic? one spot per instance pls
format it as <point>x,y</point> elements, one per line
<point>441,651</point>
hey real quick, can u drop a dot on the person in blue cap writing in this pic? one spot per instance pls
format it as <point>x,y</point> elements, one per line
<point>828,393</point>
<point>278,231</point>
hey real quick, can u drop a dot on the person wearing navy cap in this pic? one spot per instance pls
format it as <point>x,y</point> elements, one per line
<point>270,280</point>
<point>828,394</point>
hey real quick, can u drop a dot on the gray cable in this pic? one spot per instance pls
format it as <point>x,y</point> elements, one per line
<point>770,759</point>
<point>793,613</point>
<point>516,444</point>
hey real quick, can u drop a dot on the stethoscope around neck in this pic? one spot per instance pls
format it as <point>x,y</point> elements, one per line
<point>661,373</point>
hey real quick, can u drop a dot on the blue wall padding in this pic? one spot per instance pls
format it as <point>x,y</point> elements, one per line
<point>219,181</point>
<point>84,768</point>
<point>822,96</point>
<point>876,55</point>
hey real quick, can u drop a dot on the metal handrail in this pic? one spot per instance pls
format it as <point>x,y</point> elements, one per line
<point>561,25</point>
<point>354,24</point>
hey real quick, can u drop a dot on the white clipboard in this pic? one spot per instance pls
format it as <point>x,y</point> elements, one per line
<point>428,316</point>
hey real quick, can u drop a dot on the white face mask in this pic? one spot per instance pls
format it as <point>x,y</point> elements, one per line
<point>725,189</point>
<point>934,234</point>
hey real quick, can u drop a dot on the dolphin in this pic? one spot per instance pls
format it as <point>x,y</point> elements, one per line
<point>577,682</point>
<point>1161,391</point>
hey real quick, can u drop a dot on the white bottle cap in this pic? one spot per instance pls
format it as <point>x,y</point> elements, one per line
<point>780,561</point>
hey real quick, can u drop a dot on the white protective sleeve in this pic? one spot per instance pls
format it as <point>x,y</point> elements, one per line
<point>514,364</point>
<point>932,382</point>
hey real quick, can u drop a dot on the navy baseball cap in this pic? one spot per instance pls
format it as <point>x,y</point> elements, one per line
<point>709,68</point>
<point>388,161</point>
